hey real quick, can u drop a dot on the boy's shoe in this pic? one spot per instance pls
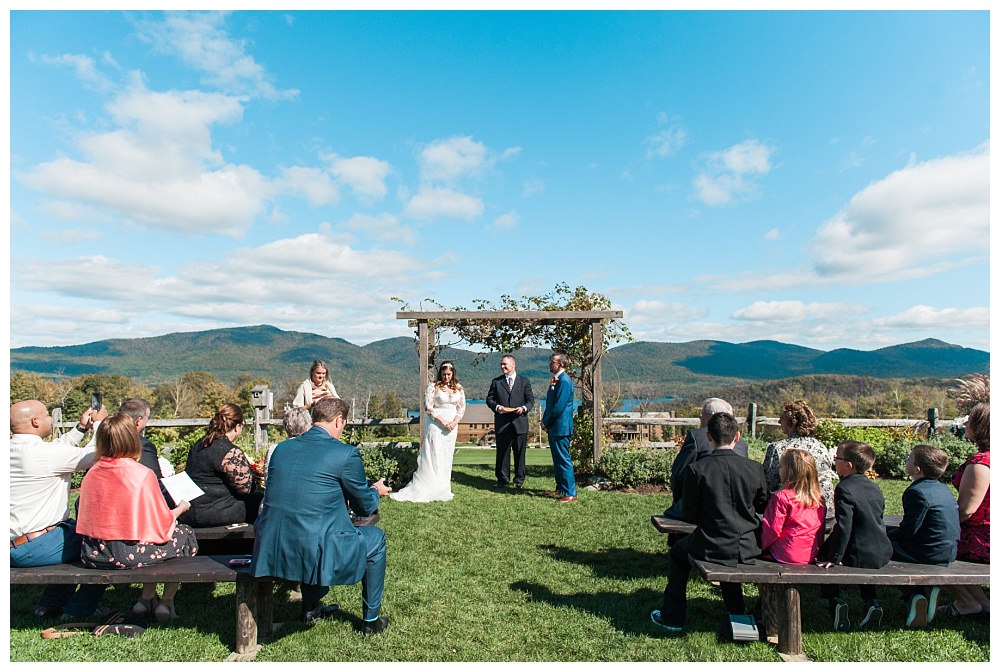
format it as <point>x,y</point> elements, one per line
<point>932,602</point>
<point>917,616</point>
<point>873,617</point>
<point>657,618</point>
<point>838,608</point>
<point>98,613</point>
<point>310,616</point>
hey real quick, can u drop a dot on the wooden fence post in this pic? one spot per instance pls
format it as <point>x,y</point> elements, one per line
<point>932,421</point>
<point>752,421</point>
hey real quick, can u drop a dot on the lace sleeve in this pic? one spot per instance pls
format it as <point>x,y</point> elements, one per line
<point>460,408</point>
<point>429,401</point>
<point>236,471</point>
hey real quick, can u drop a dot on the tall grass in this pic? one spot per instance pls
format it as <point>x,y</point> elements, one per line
<point>505,576</point>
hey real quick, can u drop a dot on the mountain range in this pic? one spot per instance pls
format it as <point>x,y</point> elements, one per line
<point>649,369</point>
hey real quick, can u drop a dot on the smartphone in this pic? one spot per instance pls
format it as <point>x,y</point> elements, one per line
<point>240,562</point>
<point>96,400</point>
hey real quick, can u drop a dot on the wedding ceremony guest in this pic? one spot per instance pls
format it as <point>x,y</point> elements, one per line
<point>798,423</point>
<point>694,448</point>
<point>318,386</point>
<point>510,399</point>
<point>972,480</point>
<point>929,531</point>
<point>792,527</point>
<point>222,470</point>
<point>444,400</point>
<point>41,529</point>
<point>124,521</point>
<point>296,422</point>
<point>858,538</point>
<point>304,532</point>
<point>724,495</point>
<point>558,422</point>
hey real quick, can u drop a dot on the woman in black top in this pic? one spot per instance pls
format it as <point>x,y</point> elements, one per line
<point>223,471</point>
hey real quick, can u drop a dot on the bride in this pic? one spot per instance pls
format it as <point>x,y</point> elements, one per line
<point>445,402</point>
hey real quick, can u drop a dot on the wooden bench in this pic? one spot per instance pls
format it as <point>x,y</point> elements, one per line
<point>778,584</point>
<point>254,607</point>
<point>224,533</point>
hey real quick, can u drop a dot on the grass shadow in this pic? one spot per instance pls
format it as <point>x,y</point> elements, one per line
<point>613,563</point>
<point>625,611</point>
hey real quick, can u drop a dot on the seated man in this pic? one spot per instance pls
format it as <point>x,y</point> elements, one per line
<point>41,530</point>
<point>304,532</point>
<point>695,447</point>
<point>724,495</point>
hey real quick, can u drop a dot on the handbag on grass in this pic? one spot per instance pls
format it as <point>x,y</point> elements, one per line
<point>116,623</point>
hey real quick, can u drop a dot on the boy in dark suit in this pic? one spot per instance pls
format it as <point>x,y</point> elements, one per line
<point>929,531</point>
<point>858,538</point>
<point>724,495</point>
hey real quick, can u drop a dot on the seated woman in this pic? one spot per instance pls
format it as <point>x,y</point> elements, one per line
<point>317,387</point>
<point>798,423</point>
<point>792,527</point>
<point>124,521</point>
<point>223,471</point>
<point>297,422</point>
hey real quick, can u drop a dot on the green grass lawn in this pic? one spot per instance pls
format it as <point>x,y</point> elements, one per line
<point>508,576</point>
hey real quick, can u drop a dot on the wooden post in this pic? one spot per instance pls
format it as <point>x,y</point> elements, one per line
<point>246,615</point>
<point>56,419</point>
<point>422,378</point>
<point>596,346</point>
<point>752,421</point>
<point>932,421</point>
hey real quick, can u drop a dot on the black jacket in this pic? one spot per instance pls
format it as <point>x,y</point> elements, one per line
<point>520,395</point>
<point>930,529</point>
<point>858,539</point>
<point>695,447</point>
<point>724,495</point>
<point>149,459</point>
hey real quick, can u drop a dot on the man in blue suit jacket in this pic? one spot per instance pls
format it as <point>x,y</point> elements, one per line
<point>304,532</point>
<point>558,422</point>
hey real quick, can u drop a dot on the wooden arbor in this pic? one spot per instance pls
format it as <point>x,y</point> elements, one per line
<point>595,317</point>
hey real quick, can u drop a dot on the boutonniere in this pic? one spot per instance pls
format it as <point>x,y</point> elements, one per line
<point>555,379</point>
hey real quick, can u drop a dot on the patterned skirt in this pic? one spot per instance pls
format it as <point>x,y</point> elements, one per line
<point>100,554</point>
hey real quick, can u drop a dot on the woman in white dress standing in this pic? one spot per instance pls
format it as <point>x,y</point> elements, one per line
<point>445,402</point>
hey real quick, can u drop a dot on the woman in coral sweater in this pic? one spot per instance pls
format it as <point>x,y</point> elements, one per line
<point>123,518</point>
<point>792,529</point>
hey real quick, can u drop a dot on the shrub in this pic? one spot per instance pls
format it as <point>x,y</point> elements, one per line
<point>178,453</point>
<point>757,448</point>
<point>395,462</point>
<point>832,433</point>
<point>629,467</point>
<point>889,461</point>
<point>581,445</point>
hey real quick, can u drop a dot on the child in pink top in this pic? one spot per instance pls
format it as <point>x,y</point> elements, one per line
<point>792,529</point>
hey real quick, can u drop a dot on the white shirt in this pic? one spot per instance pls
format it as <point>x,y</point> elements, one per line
<point>41,473</point>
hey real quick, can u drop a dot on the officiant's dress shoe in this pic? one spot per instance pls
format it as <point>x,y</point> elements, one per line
<point>553,493</point>
<point>567,499</point>
<point>376,626</point>
<point>499,486</point>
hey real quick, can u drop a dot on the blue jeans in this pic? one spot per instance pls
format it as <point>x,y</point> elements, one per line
<point>562,464</point>
<point>53,548</point>
<point>372,582</point>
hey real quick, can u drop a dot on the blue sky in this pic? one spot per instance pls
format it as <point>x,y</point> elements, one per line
<point>817,178</point>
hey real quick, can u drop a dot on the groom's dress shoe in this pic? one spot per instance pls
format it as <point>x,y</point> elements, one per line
<point>376,626</point>
<point>553,493</point>
<point>567,499</point>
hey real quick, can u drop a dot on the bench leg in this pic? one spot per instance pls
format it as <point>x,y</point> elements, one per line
<point>771,607</point>
<point>787,618</point>
<point>247,611</point>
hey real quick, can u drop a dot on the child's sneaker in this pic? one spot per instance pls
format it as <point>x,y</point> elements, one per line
<point>932,602</point>
<point>657,618</point>
<point>916,617</point>
<point>838,608</point>
<point>873,618</point>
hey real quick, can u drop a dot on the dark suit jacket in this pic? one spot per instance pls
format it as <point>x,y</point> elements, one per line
<point>148,458</point>
<point>858,539</point>
<point>930,529</point>
<point>519,396</point>
<point>695,447</point>
<point>558,416</point>
<point>725,495</point>
<point>304,532</point>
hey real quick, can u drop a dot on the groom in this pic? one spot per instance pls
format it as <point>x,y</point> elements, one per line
<point>558,421</point>
<point>510,399</point>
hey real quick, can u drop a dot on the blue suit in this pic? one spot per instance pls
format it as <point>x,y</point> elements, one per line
<point>304,532</point>
<point>558,421</point>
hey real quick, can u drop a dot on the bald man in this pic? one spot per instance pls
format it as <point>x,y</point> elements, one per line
<point>41,530</point>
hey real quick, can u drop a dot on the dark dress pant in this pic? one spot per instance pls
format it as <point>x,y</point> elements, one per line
<point>510,441</point>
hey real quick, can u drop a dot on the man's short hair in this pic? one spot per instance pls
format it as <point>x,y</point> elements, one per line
<point>561,358</point>
<point>714,405</point>
<point>510,357</point>
<point>297,421</point>
<point>135,408</point>
<point>328,409</point>
<point>931,461</point>
<point>723,428</point>
<point>858,453</point>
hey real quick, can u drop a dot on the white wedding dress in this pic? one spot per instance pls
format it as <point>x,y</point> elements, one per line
<point>432,480</point>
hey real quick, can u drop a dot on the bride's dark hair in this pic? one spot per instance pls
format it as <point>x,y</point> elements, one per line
<point>449,365</point>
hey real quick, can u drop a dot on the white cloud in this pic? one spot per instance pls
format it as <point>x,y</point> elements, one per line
<point>200,41</point>
<point>506,221</point>
<point>646,312</point>
<point>384,227</point>
<point>733,173</point>
<point>85,68</point>
<point>773,234</point>
<point>666,142</point>
<point>312,184</point>
<point>788,312</point>
<point>510,153</point>
<point>931,319</point>
<point>365,175</point>
<point>431,202</point>
<point>71,236</point>
<point>532,187</point>
<point>453,158</point>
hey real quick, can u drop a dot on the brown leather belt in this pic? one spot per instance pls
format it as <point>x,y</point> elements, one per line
<point>25,538</point>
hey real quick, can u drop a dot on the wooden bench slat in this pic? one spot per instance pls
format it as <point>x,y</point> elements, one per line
<point>199,569</point>
<point>893,574</point>
<point>223,532</point>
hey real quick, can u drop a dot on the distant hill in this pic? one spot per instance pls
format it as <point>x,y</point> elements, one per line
<point>646,369</point>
